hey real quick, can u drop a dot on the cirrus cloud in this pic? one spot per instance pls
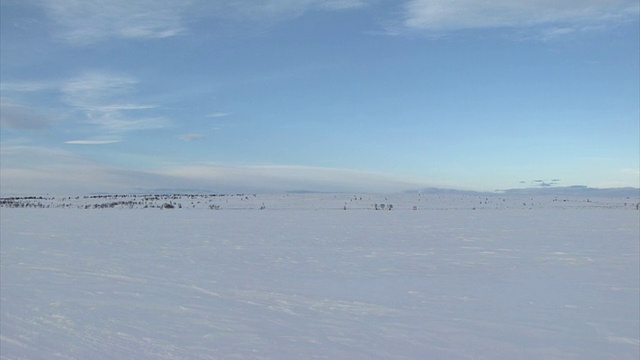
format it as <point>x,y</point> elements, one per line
<point>437,15</point>
<point>103,98</point>
<point>191,137</point>
<point>89,21</point>
<point>91,142</point>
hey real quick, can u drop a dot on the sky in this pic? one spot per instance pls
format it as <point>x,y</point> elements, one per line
<point>317,95</point>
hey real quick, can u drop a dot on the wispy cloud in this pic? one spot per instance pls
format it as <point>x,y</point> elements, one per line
<point>342,4</point>
<point>27,86</point>
<point>114,122</point>
<point>91,142</point>
<point>102,97</point>
<point>218,115</point>
<point>191,137</point>
<point>557,17</point>
<point>96,89</point>
<point>37,170</point>
<point>270,10</point>
<point>16,112</point>
<point>18,117</point>
<point>90,21</point>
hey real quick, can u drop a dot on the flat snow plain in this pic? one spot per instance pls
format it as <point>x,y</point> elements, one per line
<point>516,278</point>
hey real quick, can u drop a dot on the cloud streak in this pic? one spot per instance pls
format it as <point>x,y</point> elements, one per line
<point>27,86</point>
<point>89,21</point>
<point>93,90</point>
<point>36,170</point>
<point>91,142</point>
<point>191,137</point>
<point>561,16</point>
<point>101,97</point>
<point>276,10</point>
<point>39,170</point>
<point>218,115</point>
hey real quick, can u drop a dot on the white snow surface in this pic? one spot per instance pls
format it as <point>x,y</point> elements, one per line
<point>516,278</point>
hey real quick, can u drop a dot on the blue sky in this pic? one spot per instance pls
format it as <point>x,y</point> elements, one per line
<point>334,95</point>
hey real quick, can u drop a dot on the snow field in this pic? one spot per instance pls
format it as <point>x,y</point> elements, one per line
<point>295,283</point>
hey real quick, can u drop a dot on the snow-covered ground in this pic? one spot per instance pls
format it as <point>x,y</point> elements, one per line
<point>323,201</point>
<point>516,278</point>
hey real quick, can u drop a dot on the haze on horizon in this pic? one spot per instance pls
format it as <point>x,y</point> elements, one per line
<point>319,95</point>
